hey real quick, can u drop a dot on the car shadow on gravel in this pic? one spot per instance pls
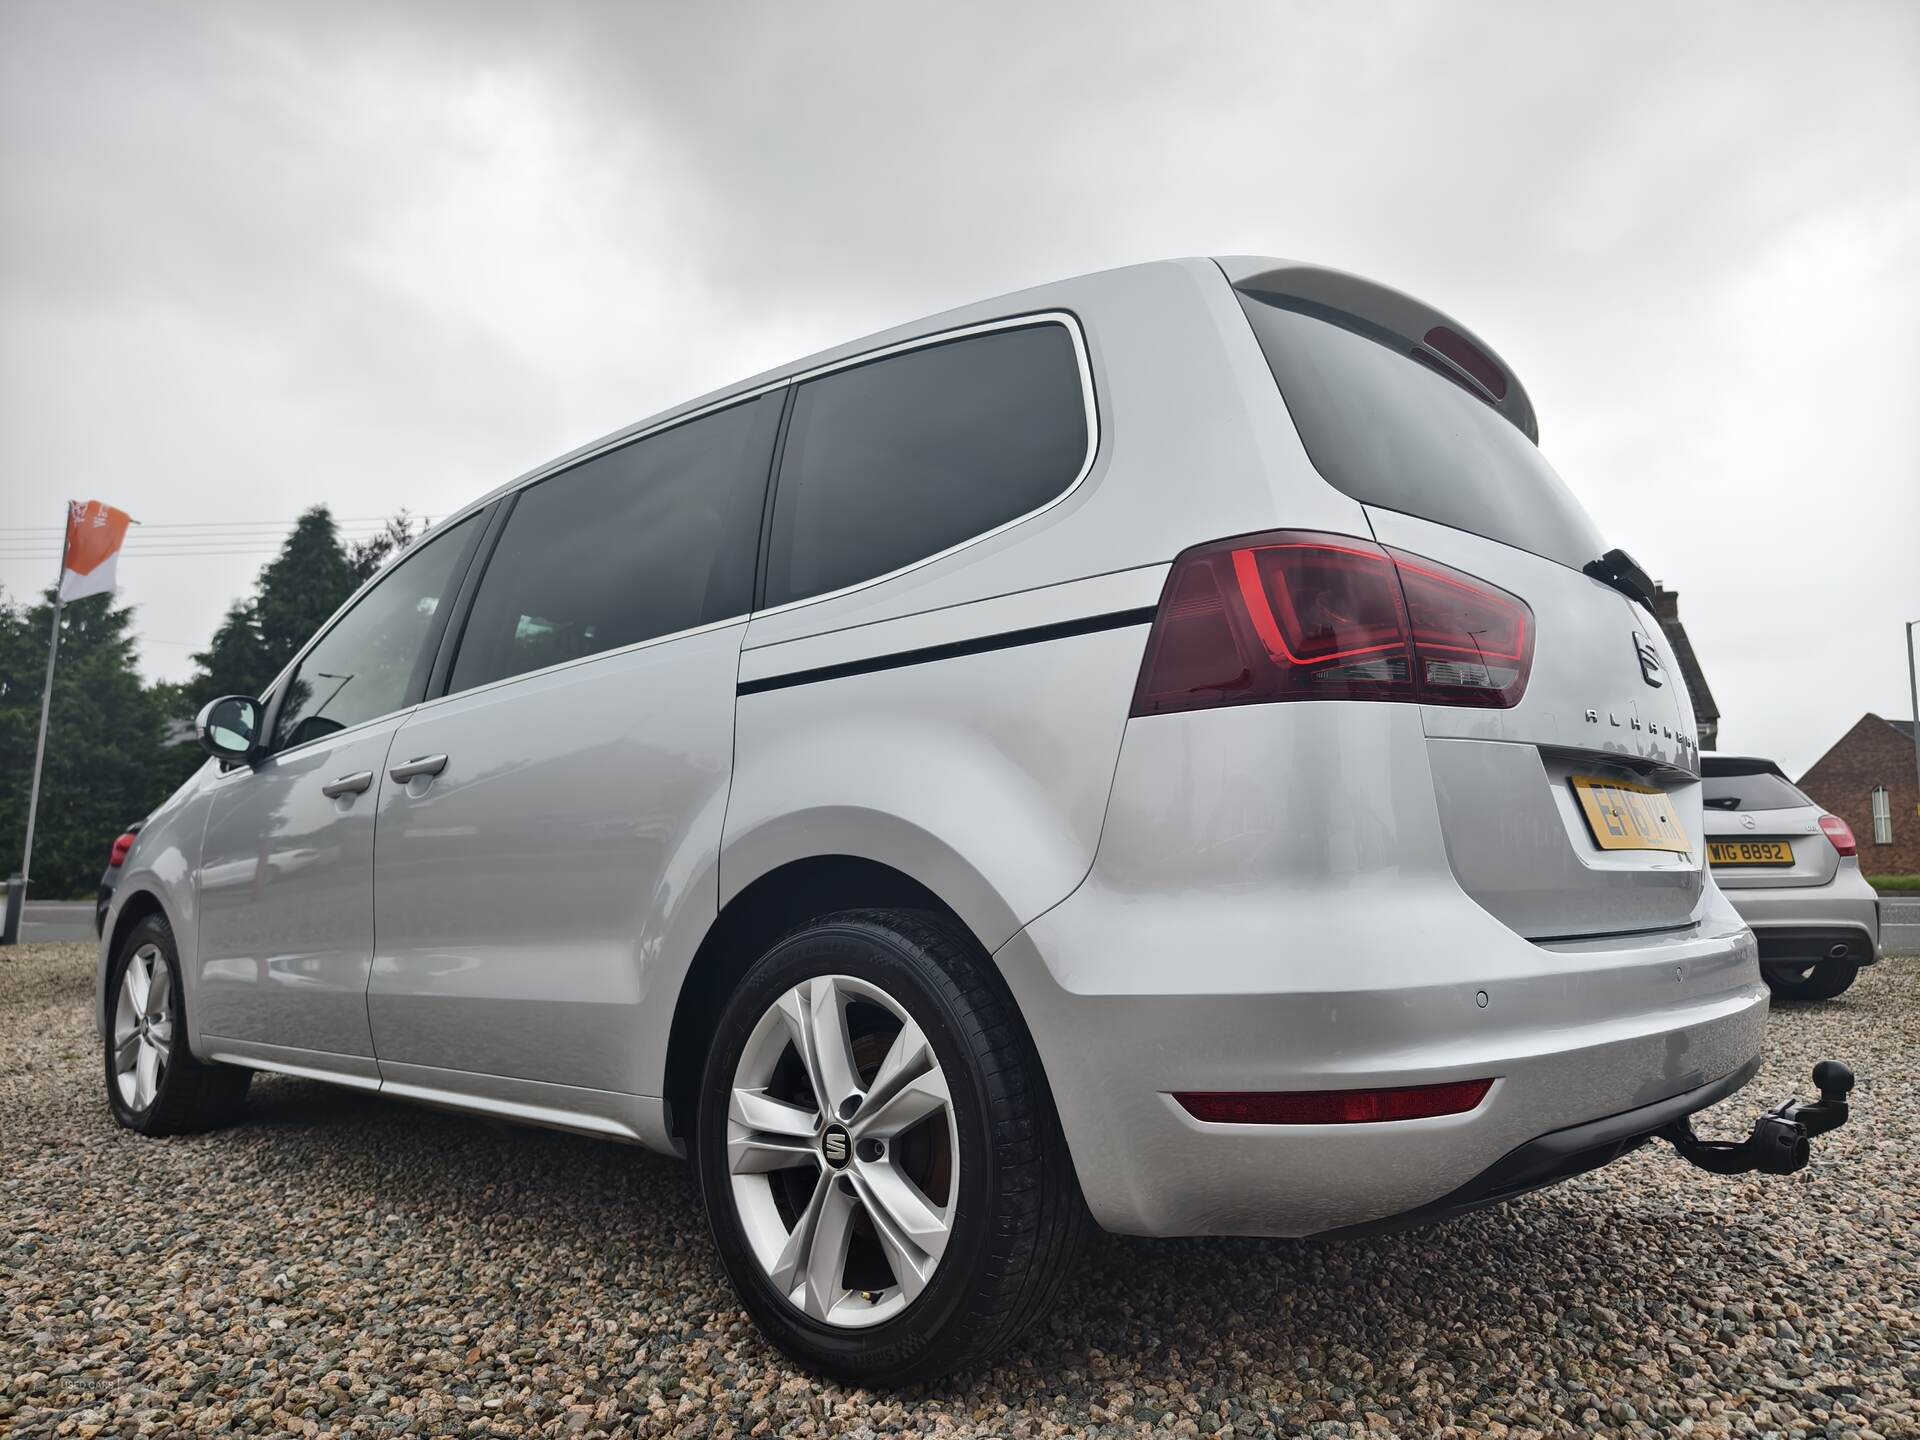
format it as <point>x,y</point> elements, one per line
<point>1277,1304</point>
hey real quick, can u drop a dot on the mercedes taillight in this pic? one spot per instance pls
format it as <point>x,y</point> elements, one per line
<point>1841,834</point>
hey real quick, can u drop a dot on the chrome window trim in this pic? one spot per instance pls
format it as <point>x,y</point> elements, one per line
<point>613,442</point>
<point>1067,321</point>
<point>1064,318</point>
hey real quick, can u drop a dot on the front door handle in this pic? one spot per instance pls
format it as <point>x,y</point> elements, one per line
<point>420,765</point>
<point>347,784</point>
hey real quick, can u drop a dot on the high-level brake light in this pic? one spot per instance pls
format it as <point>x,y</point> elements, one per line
<point>1299,616</point>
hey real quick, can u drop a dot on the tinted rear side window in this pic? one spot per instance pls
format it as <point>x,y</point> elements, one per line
<point>898,459</point>
<point>1390,432</point>
<point>1759,791</point>
<point>642,541</point>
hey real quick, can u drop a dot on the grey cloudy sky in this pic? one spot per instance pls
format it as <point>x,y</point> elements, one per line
<point>257,256</point>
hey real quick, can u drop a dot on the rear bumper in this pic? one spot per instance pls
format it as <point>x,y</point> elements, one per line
<point>1803,945</point>
<point>1273,908</point>
<point>1801,923</point>
<point>1568,1037</point>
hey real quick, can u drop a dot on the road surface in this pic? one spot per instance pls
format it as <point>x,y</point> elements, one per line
<point>57,920</point>
<point>1900,924</point>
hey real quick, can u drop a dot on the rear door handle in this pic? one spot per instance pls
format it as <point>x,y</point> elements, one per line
<point>420,765</point>
<point>347,784</point>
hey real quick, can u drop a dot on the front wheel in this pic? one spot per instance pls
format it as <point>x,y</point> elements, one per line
<point>1820,981</point>
<point>154,1084</point>
<point>878,1154</point>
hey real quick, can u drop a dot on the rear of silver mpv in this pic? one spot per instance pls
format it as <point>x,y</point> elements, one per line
<point>1400,906</point>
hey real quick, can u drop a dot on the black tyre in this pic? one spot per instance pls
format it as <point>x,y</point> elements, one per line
<point>154,1084</point>
<point>1820,981</point>
<point>878,1153</point>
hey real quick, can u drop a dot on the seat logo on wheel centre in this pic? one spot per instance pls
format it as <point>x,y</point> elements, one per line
<point>834,1144</point>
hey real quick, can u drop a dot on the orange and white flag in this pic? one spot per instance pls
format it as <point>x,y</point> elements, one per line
<point>94,536</point>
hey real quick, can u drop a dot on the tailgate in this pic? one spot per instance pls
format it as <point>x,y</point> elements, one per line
<point>1605,702</point>
<point>1751,843</point>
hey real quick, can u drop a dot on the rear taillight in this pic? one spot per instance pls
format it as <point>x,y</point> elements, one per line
<point>1840,833</point>
<point>1298,616</point>
<point>120,848</point>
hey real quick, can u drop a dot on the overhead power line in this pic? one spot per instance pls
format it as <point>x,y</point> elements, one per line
<point>198,525</point>
<point>20,547</point>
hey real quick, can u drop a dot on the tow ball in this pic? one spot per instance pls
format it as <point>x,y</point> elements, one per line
<point>1778,1145</point>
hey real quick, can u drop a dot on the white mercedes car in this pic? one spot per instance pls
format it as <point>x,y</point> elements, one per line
<point>1793,873</point>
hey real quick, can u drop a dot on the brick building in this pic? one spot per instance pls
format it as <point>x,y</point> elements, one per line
<point>1868,780</point>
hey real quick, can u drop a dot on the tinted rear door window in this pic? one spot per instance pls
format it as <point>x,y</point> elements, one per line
<point>653,537</point>
<point>1390,432</point>
<point>900,458</point>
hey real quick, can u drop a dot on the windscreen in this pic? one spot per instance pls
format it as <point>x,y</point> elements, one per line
<point>1392,431</point>
<point>1758,791</point>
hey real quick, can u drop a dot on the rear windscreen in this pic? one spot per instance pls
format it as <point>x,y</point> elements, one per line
<point>1760,791</point>
<point>1392,432</point>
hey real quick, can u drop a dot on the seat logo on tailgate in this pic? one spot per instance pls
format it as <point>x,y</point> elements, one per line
<point>1651,670</point>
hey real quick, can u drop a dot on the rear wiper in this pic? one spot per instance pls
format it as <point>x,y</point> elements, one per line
<point>1623,573</point>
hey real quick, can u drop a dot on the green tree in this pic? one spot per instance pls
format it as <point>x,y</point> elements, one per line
<point>300,587</point>
<point>365,557</point>
<point>305,583</point>
<point>106,761</point>
<point>234,662</point>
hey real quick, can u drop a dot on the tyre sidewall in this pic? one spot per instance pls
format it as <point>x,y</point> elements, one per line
<point>1825,982</point>
<point>866,950</point>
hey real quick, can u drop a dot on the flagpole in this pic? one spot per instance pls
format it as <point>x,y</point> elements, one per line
<point>12,931</point>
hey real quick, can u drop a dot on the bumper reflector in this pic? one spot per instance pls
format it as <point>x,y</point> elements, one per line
<point>1332,1107</point>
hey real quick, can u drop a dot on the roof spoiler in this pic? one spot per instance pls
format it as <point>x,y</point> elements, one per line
<point>1721,766</point>
<point>1385,315</point>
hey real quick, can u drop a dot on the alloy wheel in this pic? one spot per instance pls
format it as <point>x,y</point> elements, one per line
<point>142,1027</point>
<point>842,1151</point>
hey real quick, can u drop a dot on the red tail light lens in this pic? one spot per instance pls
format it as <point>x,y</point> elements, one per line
<point>120,847</point>
<point>1297,616</point>
<point>1840,833</point>
<point>1333,1107</point>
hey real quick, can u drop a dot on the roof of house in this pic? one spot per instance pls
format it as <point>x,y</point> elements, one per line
<point>1666,609</point>
<point>1902,728</point>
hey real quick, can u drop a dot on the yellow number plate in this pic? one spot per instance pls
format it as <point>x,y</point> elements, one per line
<point>1749,852</point>
<point>1629,817</point>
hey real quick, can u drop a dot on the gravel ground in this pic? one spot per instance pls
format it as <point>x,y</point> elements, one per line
<point>343,1264</point>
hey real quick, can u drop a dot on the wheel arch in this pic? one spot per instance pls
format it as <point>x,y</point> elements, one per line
<point>136,905</point>
<point>768,908</point>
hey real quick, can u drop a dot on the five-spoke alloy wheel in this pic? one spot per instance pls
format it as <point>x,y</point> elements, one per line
<point>154,1084</point>
<point>142,1026</point>
<point>843,1150</point>
<point>878,1153</point>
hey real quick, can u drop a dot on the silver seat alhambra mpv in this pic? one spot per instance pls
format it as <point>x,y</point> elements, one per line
<point>1163,747</point>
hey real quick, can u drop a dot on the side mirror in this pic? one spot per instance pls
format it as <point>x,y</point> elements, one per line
<point>229,728</point>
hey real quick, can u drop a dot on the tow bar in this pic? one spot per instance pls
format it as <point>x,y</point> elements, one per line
<point>1778,1145</point>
